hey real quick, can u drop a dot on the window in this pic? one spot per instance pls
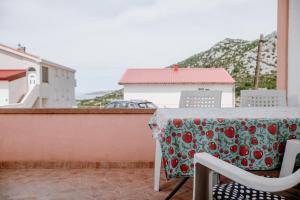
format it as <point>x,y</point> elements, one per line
<point>111,105</point>
<point>201,89</point>
<point>45,75</point>
<point>67,74</point>
<point>118,105</point>
<point>142,105</point>
<point>31,69</point>
<point>150,105</point>
<point>68,94</point>
<point>63,93</point>
<point>56,72</point>
<point>56,95</point>
<point>132,105</point>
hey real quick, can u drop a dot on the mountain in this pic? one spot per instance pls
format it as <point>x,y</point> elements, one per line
<point>239,57</point>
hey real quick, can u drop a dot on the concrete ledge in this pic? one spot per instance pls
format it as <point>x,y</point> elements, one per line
<point>74,111</point>
<point>72,165</point>
<point>93,135</point>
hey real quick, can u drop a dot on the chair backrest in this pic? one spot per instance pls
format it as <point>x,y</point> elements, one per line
<point>263,98</point>
<point>200,99</point>
<point>292,149</point>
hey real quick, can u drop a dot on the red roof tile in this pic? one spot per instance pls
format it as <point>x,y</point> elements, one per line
<point>171,76</point>
<point>10,75</point>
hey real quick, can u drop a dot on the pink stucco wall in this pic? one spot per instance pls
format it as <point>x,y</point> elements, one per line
<point>282,43</point>
<point>76,137</point>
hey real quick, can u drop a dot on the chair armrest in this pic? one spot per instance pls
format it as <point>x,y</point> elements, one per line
<point>292,149</point>
<point>246,178</point>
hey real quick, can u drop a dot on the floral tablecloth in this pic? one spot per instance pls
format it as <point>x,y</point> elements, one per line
<point>250,138</point>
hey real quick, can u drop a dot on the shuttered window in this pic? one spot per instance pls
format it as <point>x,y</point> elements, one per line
<point>45,75</point>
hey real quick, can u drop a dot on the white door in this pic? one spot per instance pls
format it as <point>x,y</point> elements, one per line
<point>31,80</point>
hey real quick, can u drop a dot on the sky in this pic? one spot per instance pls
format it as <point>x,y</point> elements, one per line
<point>100,39</point>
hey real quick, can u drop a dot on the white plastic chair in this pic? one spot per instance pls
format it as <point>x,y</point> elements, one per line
<point>188,99</point>
<point>205,164</point>
<point>263,98</point>
<point>200,99</point>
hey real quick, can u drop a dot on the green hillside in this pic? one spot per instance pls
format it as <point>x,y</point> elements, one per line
<point>238,57</point>
<point>100,102</point>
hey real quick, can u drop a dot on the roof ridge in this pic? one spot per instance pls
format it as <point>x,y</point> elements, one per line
<point>12,69</point>
<point>183,68</point>
<point>168,75</point>
<point>26,53</point>
<point>35,57</point>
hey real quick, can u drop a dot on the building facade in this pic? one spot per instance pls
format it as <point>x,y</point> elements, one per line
<point>44,84</point>
<point>163,86</point>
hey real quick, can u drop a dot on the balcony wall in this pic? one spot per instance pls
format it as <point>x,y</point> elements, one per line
<point>85,135</point>
<point>288,47</point>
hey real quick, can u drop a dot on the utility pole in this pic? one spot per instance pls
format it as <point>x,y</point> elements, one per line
<point>258,61</point>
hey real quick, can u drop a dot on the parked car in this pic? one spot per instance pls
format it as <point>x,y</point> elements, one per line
<point>131,104</point>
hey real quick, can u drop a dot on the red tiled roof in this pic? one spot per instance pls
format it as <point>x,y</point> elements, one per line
<point>10,75</point>
<point>171,76</point>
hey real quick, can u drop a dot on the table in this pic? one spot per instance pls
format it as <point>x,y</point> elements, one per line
<point>250,138</point>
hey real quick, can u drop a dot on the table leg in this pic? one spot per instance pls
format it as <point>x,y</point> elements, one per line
<point>158,156</point>
<point>181,183</point>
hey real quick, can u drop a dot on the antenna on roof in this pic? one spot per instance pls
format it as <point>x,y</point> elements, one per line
<point>21,48</point>
<point>175,67</point>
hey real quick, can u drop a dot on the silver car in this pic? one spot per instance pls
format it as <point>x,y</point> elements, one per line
<point>131,104</point>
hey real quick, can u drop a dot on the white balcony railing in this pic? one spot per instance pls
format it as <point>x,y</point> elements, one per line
<point>28,100</point>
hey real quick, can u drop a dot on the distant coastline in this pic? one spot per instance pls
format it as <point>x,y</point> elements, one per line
<point>92,95</point>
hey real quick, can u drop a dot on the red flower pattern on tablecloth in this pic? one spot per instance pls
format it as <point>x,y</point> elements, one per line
<point>252,144</point>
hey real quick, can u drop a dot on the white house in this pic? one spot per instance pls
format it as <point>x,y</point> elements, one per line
<point>163,86</point>
<point>29,81</point>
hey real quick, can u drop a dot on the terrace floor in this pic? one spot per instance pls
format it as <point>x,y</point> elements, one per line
<point>85,184</point>
<point>88,184</point>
